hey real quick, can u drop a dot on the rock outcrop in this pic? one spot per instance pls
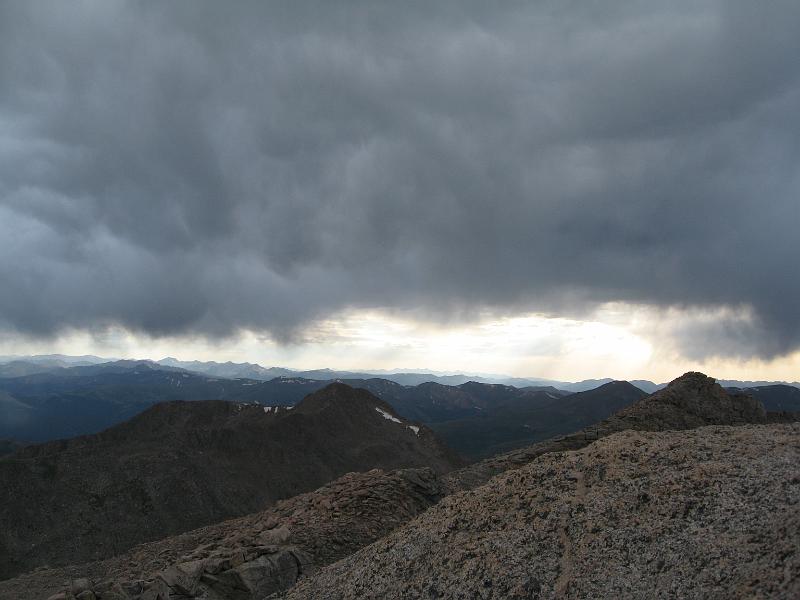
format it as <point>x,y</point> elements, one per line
<point>708,513</point>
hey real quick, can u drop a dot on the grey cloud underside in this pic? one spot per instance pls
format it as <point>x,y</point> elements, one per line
<point>204,167</point>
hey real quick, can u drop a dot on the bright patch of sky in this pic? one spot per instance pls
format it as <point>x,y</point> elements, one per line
<point>619,340</point>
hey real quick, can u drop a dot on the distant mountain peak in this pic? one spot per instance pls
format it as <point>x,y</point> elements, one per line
<point>616,384</point>
<point>343,397</point>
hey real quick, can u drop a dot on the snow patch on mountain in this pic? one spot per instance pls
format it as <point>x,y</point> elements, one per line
<point>386,415</point>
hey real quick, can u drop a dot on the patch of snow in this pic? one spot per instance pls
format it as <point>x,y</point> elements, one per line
<point>386,415</point>
<point>552,395</point>
<point>289,407</point>
<point>414,428</point>
<point>268,408</point>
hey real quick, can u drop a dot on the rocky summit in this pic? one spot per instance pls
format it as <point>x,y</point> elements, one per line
<point>708,513</point>
<point>181,465</point>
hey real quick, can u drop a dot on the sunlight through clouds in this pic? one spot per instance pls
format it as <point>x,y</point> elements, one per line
<point>619,340</point>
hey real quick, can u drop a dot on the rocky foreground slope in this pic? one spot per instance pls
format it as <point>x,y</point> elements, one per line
<point>185,464</point>
<point>251,556</point>
<point>708,513</point>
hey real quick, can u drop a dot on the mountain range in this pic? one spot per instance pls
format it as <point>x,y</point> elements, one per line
<point>476,419</point>
<point>38,363</point>
<point>180,465</point>
<point>69,401</point>
<point>688,492</point>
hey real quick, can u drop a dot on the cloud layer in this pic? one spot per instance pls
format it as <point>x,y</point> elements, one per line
<point>192,167</point>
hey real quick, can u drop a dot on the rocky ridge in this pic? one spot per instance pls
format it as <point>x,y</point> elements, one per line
<point>692,400</point>
<point>182,465</point>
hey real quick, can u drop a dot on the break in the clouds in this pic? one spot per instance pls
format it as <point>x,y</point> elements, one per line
<point>204,168</point>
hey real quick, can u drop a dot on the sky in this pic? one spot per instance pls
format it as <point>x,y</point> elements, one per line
<point>552,189</point>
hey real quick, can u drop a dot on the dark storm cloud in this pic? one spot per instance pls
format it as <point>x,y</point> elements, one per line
<point>204,167</point>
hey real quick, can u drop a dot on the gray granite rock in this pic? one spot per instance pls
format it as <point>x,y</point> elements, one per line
<point>711,513</point>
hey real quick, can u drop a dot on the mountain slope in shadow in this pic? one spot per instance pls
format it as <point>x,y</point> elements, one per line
<point>180,465</point>
<point>532,417</point>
